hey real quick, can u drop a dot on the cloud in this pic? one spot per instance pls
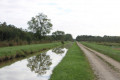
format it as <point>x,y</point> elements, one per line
<point>78,17</point>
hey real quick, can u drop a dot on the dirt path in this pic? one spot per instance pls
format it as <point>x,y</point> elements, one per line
<point>105,68</point>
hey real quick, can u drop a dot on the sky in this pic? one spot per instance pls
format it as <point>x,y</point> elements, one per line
<point>77,17</point>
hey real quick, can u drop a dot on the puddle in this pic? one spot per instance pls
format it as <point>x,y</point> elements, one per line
<point>37,67</point>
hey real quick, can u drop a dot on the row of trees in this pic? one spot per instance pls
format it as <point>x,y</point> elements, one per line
<point>39,28</point>
<point>98,38</point>
<point>40,25</point>
<point>60,35</point>
<point>10,32</point>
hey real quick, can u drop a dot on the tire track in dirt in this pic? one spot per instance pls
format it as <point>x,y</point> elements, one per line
<point>102,70</point>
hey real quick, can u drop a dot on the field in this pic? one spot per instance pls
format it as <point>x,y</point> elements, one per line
<point>109,49</point>
<point>74,66</point>
<point>21,51</point>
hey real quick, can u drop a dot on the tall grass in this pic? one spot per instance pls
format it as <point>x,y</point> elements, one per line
<point>74,66</point>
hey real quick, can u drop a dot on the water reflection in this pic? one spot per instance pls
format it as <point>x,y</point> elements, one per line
<point>37,67</point>
<point>58,50</point>
<point>40,63</point>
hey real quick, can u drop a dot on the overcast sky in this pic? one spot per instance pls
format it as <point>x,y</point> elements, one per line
<point>78,17</point>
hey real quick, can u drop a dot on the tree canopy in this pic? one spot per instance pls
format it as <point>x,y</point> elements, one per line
<point>10,32</point>
<point>61,36</point>
<point>68,37</point>
<point>58,35</point>
<point>40,25</point>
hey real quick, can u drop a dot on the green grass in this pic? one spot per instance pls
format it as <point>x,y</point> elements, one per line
<point>107,50</point>
<point>113,45</point>
<point>24,50</point>
<point>74,66</point>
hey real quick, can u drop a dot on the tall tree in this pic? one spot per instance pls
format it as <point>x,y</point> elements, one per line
<point>40,25</point>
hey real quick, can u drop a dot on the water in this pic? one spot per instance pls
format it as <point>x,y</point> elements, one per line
<point>37,67</point>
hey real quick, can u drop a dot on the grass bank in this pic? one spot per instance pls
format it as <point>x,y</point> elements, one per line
<point>7,53</point>
<point>107,50</point>
<point>109,44</point>
<point>74,66</point>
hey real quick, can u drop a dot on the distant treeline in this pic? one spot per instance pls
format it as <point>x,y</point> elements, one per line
<point>10,32</point>
<point>98,38</point>
<point>11,35</point>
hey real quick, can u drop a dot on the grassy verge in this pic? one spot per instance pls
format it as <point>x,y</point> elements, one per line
<point>7,53</point>
<point>107,50</point>
<point>109,44</point>
<point>74,66</point>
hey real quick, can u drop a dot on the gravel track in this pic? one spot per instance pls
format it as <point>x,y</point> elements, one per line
<point>105,68</point>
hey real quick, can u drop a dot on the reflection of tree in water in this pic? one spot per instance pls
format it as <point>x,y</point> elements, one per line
<point>40,63</point>
<point>58,50</point>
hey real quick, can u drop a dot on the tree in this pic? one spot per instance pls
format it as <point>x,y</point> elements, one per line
<point>68,37</point>
<point>40,25</point>
<point>58,35</point>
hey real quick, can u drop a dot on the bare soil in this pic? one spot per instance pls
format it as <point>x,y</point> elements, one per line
<point>105,68</point>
